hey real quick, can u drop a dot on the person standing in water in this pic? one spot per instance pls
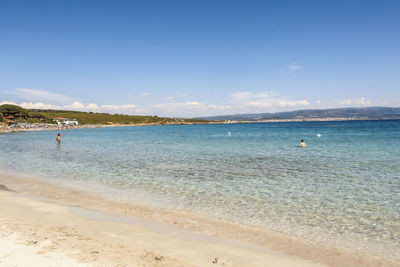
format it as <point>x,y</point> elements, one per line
<point>58,138</point>
<point>302,143</point>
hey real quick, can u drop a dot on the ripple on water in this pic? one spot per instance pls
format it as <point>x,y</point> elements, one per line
<point>343,188</point>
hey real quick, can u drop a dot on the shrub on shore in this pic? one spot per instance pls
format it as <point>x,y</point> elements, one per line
<point>13,110</point>
<point>46,116</point>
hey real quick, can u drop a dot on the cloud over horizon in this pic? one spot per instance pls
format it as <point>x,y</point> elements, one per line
<point>190,108</point>
<point>265,99</point>
<point>245,101</point>
<point>234,103</point>
<point>355,102</point>
<point>78,106</point>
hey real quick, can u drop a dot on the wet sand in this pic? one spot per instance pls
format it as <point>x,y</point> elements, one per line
<point>81,228</point>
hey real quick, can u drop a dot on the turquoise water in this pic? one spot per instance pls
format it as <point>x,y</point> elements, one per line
<point>345,186</point>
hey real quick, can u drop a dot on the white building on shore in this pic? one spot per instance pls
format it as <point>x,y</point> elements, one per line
<point>64,121</point>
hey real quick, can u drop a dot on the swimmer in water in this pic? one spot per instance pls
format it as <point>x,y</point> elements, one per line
<point>302,143</point>
<point>58,138</point>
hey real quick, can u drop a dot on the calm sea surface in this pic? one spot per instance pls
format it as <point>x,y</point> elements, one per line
<point>345,186</point>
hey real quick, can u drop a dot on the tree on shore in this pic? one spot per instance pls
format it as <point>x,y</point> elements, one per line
<point>13,110</point>
<point>46,116</point>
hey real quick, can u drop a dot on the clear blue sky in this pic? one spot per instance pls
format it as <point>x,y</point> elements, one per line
<point>195,58</point>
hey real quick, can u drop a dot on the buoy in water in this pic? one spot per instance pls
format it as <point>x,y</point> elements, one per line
<point>229,133</point>
<point>319,135</point>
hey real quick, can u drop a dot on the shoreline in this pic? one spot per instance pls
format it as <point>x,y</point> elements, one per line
<point>97,238</point>
<point>212,230</point>
<point>90,126</point>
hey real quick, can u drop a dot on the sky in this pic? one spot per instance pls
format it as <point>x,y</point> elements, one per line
<point>199,58</point>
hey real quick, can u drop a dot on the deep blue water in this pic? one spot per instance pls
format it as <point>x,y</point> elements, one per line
<point>344,184</point>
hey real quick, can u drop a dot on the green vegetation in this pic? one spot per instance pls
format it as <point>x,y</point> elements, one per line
<point>46,116</point>
<point>15,111</point>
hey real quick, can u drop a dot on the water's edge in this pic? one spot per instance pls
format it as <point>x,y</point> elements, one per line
<point>192,226</point>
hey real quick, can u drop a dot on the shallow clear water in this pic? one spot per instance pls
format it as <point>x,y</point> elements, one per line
<point>344,186</point>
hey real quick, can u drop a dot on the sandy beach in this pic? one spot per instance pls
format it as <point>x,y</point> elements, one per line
<point>44,233</point>
<point>46,225</point>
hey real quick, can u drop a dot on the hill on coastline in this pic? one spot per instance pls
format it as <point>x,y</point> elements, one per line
<point>367,113</point>
<point>46,116</point>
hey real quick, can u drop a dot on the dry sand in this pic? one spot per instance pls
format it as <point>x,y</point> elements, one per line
<point>46,225</point>
<point>39,233</point>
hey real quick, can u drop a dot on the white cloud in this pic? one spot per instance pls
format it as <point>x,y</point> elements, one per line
<point>362,101</point>
<point>194,104</point>
<point>92,106</point>
<point>76,105</point>
<point>267,104</point>
<point>242,96</point>
<point>346,102</point>
<point>110,106</point>
<point>145,94</point>
<point>238,102</point>
<point>294,67</point>
<point>190,108</point>
<point>220,107</point>
<point>126,109</point>
<point>40,95</point>
<point>267,99</point>
<point>191,104</point>
<point>175,105</point>
<point>128,106</point>
<point>291,68</point>
<point>355,102</point>
<point>260,104</point>
<point>293,103</point>
<point>38,105</point>
<point>31,105</point>
<point>7,103</point>
<point>248,95</point>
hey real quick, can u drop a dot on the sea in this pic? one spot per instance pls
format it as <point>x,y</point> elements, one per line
<point>343,188</point>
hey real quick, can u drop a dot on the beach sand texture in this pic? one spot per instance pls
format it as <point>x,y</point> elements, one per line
<point>37,233</point>
<point>44,225</point>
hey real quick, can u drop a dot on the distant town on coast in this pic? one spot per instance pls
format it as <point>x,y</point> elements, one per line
<point>365,113</point>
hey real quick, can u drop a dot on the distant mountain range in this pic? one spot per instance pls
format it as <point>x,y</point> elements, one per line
<point>368,113</point>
